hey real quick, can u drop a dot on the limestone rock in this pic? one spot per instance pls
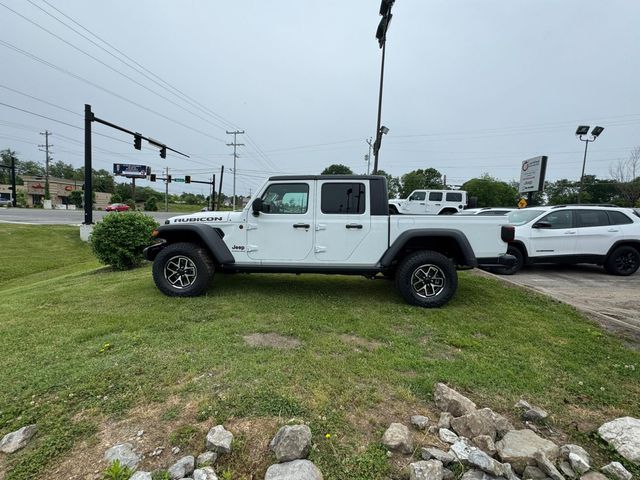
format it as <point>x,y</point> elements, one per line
<point>486,444</point>
<point>295,470</point>
<point>141,476</point>
<point>431,452</point>
<point>533,473</point>
<point>565,468</point>
<point>14,441</point>
<point>219,440</point>
<point>292,442</point>
<point>447,436</point>
<point>448,474</point>
<point>448,400</point>
<point>420,422</point>
<point>577,457</point>
<point>593,476</point>
<point>477,475</point>
<point>397,438</point>
<point>206,459</point>
<point>182,468</point>
<point>547,466</point>
<point>478,422</point>
<point>518,447</point>
<point>624,435</point>
<point>426,470</point>
<point>206,473</point>
<point>480,460</point>
<point>616,470</point>
<point>124,453</point>
<point>461,449</point>
<point>445,420</point>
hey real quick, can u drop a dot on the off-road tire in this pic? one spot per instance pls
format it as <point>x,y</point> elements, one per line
<point>426,279</point>
<point>623,261</point>
<point>183,270</point>
<point>516,267</point>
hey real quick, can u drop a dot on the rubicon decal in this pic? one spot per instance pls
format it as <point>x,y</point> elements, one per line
<point>198,219</point>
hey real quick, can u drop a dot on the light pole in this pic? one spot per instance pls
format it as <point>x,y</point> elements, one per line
<point>381,35</point>
<point>581,132</point>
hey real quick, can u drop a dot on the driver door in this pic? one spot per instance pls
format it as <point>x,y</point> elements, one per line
<point>283,232</point>
<point>415,204</point>
<point>558,238</point>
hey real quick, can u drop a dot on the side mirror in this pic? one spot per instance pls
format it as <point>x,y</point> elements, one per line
<point>256,206</point>
<point>541,225</point>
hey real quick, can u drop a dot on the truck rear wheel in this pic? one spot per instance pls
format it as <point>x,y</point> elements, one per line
<point>427,279</point>
<point>183,270</point>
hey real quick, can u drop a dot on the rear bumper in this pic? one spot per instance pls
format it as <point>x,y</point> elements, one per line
<point>504,260</point>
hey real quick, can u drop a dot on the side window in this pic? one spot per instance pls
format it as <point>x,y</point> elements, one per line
<point>592,218</point>
<point>560,219</point>
<point>435,196</point>
<point>454,197</point>
<point>618,218</point>
<point>286,198</point>
<point>418,196</point>
<point>346,198</point>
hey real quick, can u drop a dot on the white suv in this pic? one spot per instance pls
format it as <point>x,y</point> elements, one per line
<point>604,235</point>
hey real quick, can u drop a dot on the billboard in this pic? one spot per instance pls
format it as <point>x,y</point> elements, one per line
<point>130,170</point>
<point>532,174</point>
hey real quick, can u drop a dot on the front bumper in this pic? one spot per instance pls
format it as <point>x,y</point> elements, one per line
<point>504,260</point>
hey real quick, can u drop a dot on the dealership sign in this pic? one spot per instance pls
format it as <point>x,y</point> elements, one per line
<point>532,174</point>
<point>130,170</point>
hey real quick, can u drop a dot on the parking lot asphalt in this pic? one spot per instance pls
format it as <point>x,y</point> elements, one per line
<point>612,301</point>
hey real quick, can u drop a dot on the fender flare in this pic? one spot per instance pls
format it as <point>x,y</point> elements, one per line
<point>629,242</point>
<point>468,256</point>
<point>209,237</point>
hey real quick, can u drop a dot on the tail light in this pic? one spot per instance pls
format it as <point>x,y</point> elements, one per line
<point>508,233</point>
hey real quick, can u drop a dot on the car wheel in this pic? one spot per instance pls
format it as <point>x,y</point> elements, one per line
<point>427,279</point>
<point>623,261</point>
<point>516,267</point>
<point>183,270</point>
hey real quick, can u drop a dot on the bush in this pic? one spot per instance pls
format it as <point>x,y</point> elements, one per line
<point>120,238</point>
<point>131,204</point>
<point>151,205</point>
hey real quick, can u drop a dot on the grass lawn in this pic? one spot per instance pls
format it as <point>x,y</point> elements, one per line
<point>90,355</point>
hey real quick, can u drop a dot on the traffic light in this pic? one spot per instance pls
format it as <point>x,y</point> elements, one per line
<point>187,179</point>
<point>168,178</point>
<point>137,142</point>
<point>152,177</point>
<point>163,153</point>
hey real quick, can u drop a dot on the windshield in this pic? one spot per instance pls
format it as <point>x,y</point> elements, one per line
<point>520,217</point>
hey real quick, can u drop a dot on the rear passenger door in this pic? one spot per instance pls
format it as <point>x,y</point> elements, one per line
<point>595,232</point>
<point>343,221</point>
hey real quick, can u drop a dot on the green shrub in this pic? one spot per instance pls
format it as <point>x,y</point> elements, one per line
<point>120,238</point>
<point>116,471</point>
<point>131,204</point>
<point>151,205</point>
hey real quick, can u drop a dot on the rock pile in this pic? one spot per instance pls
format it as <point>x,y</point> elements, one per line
<point>489,447</point>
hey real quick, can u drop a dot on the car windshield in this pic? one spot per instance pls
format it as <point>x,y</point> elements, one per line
<point>520,217</point>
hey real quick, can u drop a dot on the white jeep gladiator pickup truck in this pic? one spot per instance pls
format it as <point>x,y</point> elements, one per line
<point>337,224</point>
<point>430,202</point>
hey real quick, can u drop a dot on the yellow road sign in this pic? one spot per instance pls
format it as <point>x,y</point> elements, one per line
<point>522,203</point>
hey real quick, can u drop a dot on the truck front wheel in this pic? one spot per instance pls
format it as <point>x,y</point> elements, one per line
<point>182,270</point>
<point>427,279</point>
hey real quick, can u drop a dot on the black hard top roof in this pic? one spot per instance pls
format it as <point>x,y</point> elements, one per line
<point>327,177</point>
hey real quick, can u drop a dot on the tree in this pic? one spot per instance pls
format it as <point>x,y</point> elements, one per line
<point>420,180</point>
<point>626,173</point>
<point>563,192</point>
<point>337,169</point>
<point>62,170</point>
<point>393,183</point>
<point>491,192</point>
<point>6,156</point>
<point>151,204</point>
<point>76,198</point>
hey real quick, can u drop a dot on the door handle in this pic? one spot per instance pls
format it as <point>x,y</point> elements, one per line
<point>301,225</point>
<point>613,230</point>
<point>353,225</point>
<point>570,233</point>
<point>421,203</point>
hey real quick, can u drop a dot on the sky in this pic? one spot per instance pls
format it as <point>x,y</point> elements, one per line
<point>470,86</point>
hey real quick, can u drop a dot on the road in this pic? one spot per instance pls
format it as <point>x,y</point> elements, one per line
<point>38,216</point>
<point>611,300</point>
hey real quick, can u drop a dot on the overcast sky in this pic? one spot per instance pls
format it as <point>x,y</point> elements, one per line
<point>471,86</point>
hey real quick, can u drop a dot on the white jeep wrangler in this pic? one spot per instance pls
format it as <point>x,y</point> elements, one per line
<point>337,224</point>
<point>430,202</point>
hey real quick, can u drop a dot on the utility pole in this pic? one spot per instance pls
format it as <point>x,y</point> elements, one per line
<point>235,156</point>
<point>369,155</point>
<point>220,189</point>
<point>166,189</point>
<point>46,146</point>
<point>213,192</point>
